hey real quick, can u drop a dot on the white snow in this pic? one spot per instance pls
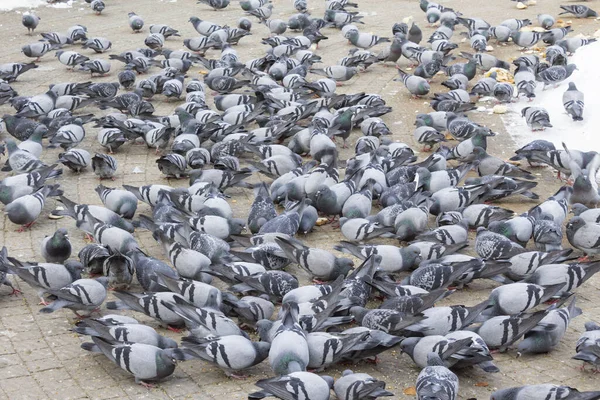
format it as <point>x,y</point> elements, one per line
<point>8,5</point>
<point>578,135</point>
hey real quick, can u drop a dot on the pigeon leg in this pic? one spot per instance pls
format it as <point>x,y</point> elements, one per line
<point>88,238</point>
<point>43,302</point>
<point>146,384</point>
<point>585,258</point>
<point>318,281</point>
<point>373,361</point>
<point>15,292</point>
<point>174,329</point>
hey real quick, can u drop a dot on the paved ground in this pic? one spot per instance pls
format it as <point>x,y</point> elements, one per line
<point>41,358</point>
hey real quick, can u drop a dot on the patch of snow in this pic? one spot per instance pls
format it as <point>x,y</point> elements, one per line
<point>8,5</point>
<point>578,135</point>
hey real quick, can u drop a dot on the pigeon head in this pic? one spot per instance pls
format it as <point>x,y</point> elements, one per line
<point>408,345</point>
<point>532,344</point>
<point>263,327</point>
<point>167,343</point>
<point>434,359</point>
<point>329,380</point>
<point>344,265</point>
<point>574,224</point>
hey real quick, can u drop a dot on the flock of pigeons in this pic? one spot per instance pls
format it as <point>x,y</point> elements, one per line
<point>266,116</point>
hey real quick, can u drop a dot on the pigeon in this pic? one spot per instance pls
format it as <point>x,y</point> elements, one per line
<point>145,362</point>
<point>502,331</point>
<point>539,392</point>
<point>355,385</point>
<point>104,166</point>
<point>155,305</point>
<point>550,330</point>
<point>436,381</point>
<point>215,4</point>
<point>393,258</point>
<point>45,276</point>
<point>123,331</point>
<point>97,6</point>
<point>136,23</point>
<point>360,229</point>
<point>579,11</point>
<point>289,348</point>
<point>70,58</point>
<point>573,102</point>
<point>338,73</point>
<point>416,85</point>
<point>38,49</point>
<point>81,295</point>
<point>537,118</point>
<point>92,258</point>
<point>98,44</point>
<point>556,74</point>
<point>583,235</point>
<point>518,297</point>
<point>25,210</point>
<point>56,248</point>
<point>364,40</point>
<point>119,269</point>
<point>321,264</point>
<point>75,159</point>
<point>230,353</point>
<point>121,202</point>
<point>30,21</point>
<point>307,385</point>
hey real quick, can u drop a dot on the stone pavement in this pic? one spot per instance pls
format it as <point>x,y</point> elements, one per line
<point>41,358</point>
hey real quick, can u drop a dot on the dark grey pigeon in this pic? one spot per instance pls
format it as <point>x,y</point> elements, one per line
<point>276,284</point>
<point>56,248</point>
<point>30,21</point>
<point>119,269</point>
<point>494,246</point>
<point>388,321</point>
<point>262,209</point>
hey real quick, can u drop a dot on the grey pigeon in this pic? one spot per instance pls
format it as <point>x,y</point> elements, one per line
<point>490,165</point>
<point>45,276</point>
<point>502,331</point>
<point>540,392</point>
<point>570,275</point>
<point>81,295</point>
<point>21,160</point>
<point>230,353</point>
<point>518,297</point>
<point>274,283</point>
<point>338,73</point>
<point>262,209</point>
<point>123,332</point>
<point>30,21</point>
<point>436,381</point>
<point>443,320</point>
<point>360,229</point>
<point>75,159</point>
<point>136,22</point>
<point>389,321</point>
<point>92,258</point>
<point>56,248</point>
<point>326,349</point>
<point>573,102</point>
<point>143,361</point>
<point>121,202</point>
<point>583,235</point>
<point>556,74</point>
<point>537,118</point>
<point>312,386</point>
<point>393,258</point>
<point>104,166</point>
<point>550,330</point>
<point>25,210</point>
<point>151,304</point>
<point>320,263</point>
<point>364,40</point>
<point>579,11</point>
<point>289,348</point>
<point>416,85</point>
<point>355,386</point>
<point>526,38</point>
